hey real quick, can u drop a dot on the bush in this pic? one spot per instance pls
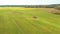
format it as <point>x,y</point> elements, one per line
<point>58,7</point>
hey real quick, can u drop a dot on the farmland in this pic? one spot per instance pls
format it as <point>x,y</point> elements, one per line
<point>14,20</point>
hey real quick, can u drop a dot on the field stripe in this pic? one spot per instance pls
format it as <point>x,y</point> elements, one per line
<point>16,23</point>
<point>39,25</point>
<point>44,21</point>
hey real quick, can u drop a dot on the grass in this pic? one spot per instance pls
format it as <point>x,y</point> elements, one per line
<point>21,21</point>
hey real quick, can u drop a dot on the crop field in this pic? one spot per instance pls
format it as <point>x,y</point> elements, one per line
<point>15,20</point>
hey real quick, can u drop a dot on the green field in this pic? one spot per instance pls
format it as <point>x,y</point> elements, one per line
<point>21,21</point>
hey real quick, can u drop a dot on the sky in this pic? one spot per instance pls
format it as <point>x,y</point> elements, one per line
<point>28,2</point>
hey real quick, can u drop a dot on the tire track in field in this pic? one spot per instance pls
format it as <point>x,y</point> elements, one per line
<point>5,21</point>
<point>55,26</point>
<point>39,24</point>
<point>3,25</point>
<point>10,21</point>
<point>53,20</point>
<point>26,24</point>
<point>16,23</point>
<point>21,26</point>
<point>35,24</point>
<point>44,21</point>
<point>13,17</point>
<point>47,28</point>
<point>31,23</point>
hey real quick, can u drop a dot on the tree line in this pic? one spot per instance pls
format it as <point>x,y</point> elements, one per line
<point>32,6</point>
